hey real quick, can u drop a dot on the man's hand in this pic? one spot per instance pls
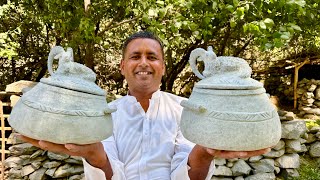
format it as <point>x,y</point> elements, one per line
<point>93,153</point>
<point>200,159</point>
<point>235,154</point>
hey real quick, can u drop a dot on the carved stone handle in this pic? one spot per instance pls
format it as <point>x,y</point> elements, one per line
<point>196,54</point>
<point>192,106</point>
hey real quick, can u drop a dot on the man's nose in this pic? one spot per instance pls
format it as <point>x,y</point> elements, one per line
<point>144,61</point>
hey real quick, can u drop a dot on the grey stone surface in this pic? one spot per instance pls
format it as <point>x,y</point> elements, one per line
<point>279,145</point>
<point>261,176</point>
<point>293,129</point>
<point>20,85</point>
<point>57,156</point>
<point>57,109</point>
<point>38,174</point>
<point>241,168</point>
<point>273,153</point>
<point>222,171</point>
<point>24,148</point>
<point>263,166</point>
<point>293,146</point>
<point>315,149</point>
<point>26,170</point>
<point>67,170</point>
<point>255,158</point>
<point>253,124</point>
<point>220,161</point>
<point>288,161</point>
<point>51,164</point>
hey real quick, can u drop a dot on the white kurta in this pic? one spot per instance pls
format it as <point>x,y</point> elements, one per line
<point>146,145</point>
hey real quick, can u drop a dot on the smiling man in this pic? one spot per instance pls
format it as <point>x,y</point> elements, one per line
<point>147,143</point>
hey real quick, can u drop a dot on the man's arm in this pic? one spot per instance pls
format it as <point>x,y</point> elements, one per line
<point>200,159</point>
<point>93,153</point>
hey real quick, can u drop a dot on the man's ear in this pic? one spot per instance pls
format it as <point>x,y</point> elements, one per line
<point>122,66</point>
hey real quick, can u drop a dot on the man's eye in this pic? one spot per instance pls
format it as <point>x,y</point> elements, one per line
<point>153,58</point>
<point>134,57</point>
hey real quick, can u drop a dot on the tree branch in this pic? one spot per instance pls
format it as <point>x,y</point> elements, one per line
<point>110,26</point>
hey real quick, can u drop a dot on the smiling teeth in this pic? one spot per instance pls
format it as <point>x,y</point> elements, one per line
<point>143,73</point>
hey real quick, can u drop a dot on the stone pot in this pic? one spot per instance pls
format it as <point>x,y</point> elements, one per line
<point>228,110</point>
<point>67,107</point>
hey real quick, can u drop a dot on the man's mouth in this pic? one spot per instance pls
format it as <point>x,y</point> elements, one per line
<point>143,73</point>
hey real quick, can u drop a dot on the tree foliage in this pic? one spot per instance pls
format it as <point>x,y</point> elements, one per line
<point>246,29</point>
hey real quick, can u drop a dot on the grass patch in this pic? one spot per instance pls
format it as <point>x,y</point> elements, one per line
<point>309,169</point>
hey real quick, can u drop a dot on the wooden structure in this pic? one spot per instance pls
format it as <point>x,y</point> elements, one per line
<point>4,115</point>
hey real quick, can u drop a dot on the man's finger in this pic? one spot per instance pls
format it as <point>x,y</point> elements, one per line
<point>28,140</point>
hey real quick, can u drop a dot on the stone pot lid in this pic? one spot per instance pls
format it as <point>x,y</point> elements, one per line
<point>224,72</point>
<point>71,75</point>
<point>228,83</point>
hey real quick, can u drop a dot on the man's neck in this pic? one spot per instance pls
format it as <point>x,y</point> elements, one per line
<point>142,97</point>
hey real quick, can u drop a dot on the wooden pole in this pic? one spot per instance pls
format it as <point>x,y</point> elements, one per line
<point>3,138</point>
<point>295,83</point>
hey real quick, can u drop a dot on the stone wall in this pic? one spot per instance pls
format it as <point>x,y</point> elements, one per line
<point>308,92</point>
<point>282,160</point>
<point>29,162</point>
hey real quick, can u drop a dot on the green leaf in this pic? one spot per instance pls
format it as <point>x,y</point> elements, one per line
<point>296,27</point>
<point>235,3</point>
<point>233,23</point>
<point>262,25</point>
<point>285,37</point>
<point>268,21</point>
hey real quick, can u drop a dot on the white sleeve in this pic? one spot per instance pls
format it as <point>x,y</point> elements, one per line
<point>93,173</point>
<point>179,163</point>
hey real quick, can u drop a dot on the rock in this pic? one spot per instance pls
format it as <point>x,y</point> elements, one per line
<point>220,161</point>
<point>67,170</point>
<point>279,145</point>
<point>51,164</point>
<point>13,162</point>
<point>274,154</point>
<point>290,116</point>
<point>15,173</point>
<point>311,116</point>
<point>263,166</point>
<point>311,138</point>
<point>19,85</point>
<point>317,103</point>
<point>75,160</point>
<point>25,159</point>
<point>230,164</point>
<point>221,178</point>
<point>255,158</point>
<point>314,129</point>
<point>37,153</point>
<point>36,164</point>
<point>38,174</point>
<point>77,177</point>
<point>304,148</point>
<point>314,150</point>
<point>26,170</point>
<point>50,172</point>
<point>317,94</point>
<point>293,146</point>
<point>308,95</point>
<point>57,156</point>
<point>315,111</point>
<point>241,168</point>
<point>261,176</point>
<point>222,171</point>
<point>293,129</point>
<point>277,169</point>
<point>312,87</point>
<point>308,101</point>
<point>288,161</point>
<point>318,135</point>
<point>289,173</point>
<point>24,148</point>
<point>239,178</point>
<point>13,100</point>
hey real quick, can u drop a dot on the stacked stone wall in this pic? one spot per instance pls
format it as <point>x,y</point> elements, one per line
<point>308,92</point>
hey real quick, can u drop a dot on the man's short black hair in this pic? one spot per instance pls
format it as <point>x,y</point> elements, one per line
<point>142,35</point>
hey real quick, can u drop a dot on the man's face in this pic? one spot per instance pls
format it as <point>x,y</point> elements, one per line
<point>143,65</point>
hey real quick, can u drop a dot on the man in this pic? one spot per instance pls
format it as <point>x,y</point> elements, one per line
<point>147,142</point>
